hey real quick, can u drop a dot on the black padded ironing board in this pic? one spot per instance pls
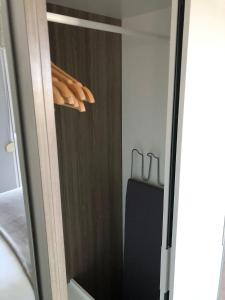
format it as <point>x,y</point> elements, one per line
<point>143,239</point>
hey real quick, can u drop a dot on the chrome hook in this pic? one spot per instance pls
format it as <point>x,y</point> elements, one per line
<point>152,155</point>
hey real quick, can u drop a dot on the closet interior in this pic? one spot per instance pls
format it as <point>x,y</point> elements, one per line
<point>110,62</point>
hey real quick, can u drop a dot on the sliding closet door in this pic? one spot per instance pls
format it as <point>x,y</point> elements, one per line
<point>27,49</point>
<point>201,206</point>
<point>90,149</point>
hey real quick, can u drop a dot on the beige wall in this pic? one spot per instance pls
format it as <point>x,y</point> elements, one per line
<point>145,70</point>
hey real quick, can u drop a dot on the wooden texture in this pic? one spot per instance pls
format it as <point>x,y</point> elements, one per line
<point>31,52</point>
<point>89,147</point>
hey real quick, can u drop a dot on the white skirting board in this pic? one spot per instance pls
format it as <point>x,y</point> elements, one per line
<point>76,292</point>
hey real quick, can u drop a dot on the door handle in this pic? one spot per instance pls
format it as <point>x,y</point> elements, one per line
<point>10,147</point>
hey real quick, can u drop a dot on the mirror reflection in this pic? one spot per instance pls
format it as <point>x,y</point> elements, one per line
<point>16,264</point>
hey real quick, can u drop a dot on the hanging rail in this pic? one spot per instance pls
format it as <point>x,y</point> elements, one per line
<point>67,20</point>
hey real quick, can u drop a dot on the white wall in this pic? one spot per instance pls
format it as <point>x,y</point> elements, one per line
<point>1,28</point>
<point>145,84</point>
<point>115,8</point>
<point>9,164</point>
<point>202,195</point>
<point>157,22</point>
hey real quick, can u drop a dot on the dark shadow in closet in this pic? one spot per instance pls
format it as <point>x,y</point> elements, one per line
<point>90,150</point>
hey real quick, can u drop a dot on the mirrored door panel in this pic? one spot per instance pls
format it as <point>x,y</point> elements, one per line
<point>17,267</point>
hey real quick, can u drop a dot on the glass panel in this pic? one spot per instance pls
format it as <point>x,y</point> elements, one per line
<point>17,272</point>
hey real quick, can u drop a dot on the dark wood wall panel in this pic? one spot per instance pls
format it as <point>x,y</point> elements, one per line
<point>90,149</point>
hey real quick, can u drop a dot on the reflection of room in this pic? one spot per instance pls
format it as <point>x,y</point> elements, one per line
<point>15,262</point>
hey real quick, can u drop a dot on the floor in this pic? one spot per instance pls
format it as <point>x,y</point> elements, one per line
<point>75,291</point>
<point>222,296</point>
<point>13,282</point>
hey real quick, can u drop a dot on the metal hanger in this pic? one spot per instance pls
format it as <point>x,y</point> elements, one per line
<point>151,156</point>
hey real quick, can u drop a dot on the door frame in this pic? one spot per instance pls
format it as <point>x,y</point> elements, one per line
<point>27,47</point>
<point>171,273</point>
<point>175,110</point>
<point>179,145</point>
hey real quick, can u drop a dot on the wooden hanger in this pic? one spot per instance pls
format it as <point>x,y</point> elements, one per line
<point>82,93</point>
<point>68,91</point>
<point>58,99</point>
<point>89,96</point>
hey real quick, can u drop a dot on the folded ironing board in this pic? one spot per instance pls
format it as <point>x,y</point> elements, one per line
<point>143,239</point>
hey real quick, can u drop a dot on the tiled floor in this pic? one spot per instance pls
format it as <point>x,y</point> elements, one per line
<point>13,282</point>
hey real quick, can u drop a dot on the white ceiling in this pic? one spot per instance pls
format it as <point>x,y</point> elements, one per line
<point>115,8</point>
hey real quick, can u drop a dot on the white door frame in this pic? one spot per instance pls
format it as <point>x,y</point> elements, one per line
<point>165,253</point>
<point>168,254</point>
<point>179,143</point>
<point>172,258</point>
<point>34,111</point>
